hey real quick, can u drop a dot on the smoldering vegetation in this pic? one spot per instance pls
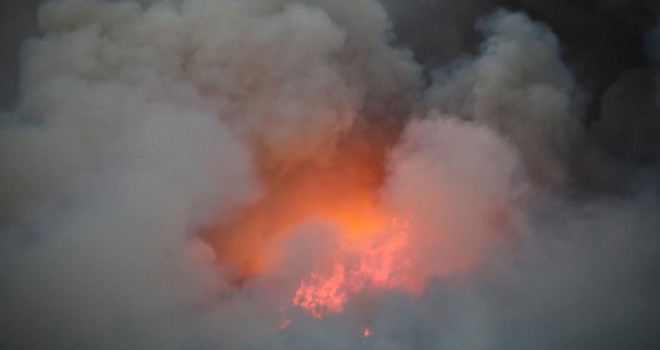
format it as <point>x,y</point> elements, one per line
<point>520,137</point>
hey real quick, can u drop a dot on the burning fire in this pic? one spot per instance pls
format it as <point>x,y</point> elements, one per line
<point>380,248</point>
<point>378,262</point>
<point>366,333</point>
<point>342,188</point>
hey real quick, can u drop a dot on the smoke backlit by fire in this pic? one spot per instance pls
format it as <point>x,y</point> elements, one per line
<point>380,261</point>
<point>332,174</point>
<point>379,244</point>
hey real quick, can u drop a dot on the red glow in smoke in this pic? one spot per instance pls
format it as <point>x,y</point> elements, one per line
<point>366,333</point>
<point>285,324</point>
<point>382,259</point>
<point>378,249</point>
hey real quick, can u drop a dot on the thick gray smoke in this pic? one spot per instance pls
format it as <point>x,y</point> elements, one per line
<point>520,137</point>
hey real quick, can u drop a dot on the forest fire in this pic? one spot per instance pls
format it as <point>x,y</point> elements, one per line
<point>377,262</point>
<point>384,240</point>
<point>340,187</point>
<point>330,174</point>
<point>343,190</point>
<point>367,333</point>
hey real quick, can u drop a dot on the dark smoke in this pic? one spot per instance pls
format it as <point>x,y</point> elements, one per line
<point>128,126</point>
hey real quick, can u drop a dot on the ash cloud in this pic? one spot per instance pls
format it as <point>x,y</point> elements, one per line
<point>521,137</point>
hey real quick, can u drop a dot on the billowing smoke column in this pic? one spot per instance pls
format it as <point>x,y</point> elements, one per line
<point>346,174</point>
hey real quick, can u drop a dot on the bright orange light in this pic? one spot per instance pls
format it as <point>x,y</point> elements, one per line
<point>323,295</point>
<point>342,189</point>
<point>382,261</point>
<point>366,333</point>
<point>378,248</point>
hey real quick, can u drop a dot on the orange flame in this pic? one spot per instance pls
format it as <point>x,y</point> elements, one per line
<point>342,188</point>
<point>378,250</point>
<point>323,295</point>
<point>382,259</point>
<point>366,333</point>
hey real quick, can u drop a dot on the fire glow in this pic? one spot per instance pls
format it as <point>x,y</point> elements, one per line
<point>344,190</point>
<point>380,263</point>
<point>380,245</point>
<point>341,188</point>
<point>366,333</point>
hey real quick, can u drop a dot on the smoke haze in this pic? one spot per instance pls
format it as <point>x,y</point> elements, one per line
<point>175,172</point>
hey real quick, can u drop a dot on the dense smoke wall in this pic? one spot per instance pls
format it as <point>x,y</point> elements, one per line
<point>163,163</point>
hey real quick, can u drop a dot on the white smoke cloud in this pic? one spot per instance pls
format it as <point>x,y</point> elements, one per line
<point>520,87</point>
<point>141,122</point>
<point>461,185</point>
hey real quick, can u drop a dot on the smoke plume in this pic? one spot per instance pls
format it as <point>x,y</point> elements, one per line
<point>330,174</point>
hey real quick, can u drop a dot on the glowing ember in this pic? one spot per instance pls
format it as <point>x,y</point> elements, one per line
<point>322,296</point>
<point>366,333</point>
<point>285,324</point>
<point>381,261</point>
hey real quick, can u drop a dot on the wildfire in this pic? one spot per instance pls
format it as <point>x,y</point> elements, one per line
<point>342,188</point>
<point>366,333</point>
<point>380,263</point>
<point>380,246</point>
<point>321,295</point>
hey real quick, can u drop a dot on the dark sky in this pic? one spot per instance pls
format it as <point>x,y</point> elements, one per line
<point>601,38</point>
<point>17,22</point>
